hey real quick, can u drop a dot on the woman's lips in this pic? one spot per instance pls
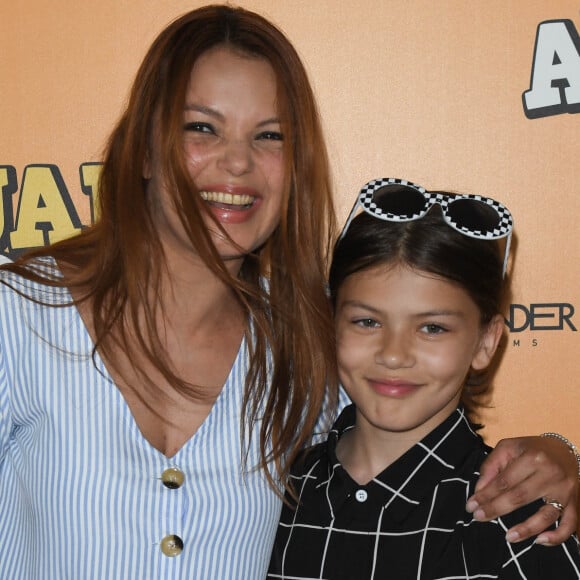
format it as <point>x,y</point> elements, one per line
<point>231,204</point>
<point>222,198</point>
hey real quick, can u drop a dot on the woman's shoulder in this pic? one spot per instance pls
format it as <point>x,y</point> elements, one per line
<point>29,305</point>
<point>37,281</point>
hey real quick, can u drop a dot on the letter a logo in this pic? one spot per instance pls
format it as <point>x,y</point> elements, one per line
<point>555,81</point>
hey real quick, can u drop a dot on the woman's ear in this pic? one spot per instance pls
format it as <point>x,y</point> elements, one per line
<point>488,343</point>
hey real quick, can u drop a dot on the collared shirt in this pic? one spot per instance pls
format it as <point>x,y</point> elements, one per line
<point>409,522</point>
<point>84,496</point>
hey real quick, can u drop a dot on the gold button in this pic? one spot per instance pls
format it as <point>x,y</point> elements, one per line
<point>172,545</point>
<point>172,478</point>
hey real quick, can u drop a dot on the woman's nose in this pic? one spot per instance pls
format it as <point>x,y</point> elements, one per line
<point>237,157</point>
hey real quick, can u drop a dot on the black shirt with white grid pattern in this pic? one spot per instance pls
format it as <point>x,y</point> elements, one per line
<point>409,522</point>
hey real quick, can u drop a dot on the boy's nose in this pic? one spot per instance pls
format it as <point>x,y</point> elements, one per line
<point>395,352</point>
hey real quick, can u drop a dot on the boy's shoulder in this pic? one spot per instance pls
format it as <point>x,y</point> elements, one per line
<point>310,458</point>
<point>321,454</point>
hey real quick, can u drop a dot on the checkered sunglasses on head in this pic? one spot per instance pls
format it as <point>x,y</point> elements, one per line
<point>398,200</point>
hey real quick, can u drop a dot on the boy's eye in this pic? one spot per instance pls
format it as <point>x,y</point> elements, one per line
<point>433,329</point>
<point>366,323</point>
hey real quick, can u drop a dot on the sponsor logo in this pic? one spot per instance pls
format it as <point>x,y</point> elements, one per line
<point>541,316</point>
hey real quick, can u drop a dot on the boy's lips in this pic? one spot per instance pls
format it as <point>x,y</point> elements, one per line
<point>393,387</point>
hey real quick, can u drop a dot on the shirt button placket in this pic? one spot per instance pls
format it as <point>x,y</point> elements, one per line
<point>172,545</point>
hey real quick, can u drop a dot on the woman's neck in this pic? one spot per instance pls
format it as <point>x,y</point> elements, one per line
<point>191,293</point>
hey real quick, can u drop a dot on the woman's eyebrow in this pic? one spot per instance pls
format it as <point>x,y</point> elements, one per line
<point>205,110</point>
<point>211,112</point>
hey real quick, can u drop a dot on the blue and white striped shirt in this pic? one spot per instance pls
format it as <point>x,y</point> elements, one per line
<point>81,495</point>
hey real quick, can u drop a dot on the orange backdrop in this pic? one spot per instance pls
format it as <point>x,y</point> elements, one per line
<point>428,91</point>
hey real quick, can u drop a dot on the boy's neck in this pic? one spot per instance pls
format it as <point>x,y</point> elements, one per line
<point>363,459</point>
<point>365,453</point>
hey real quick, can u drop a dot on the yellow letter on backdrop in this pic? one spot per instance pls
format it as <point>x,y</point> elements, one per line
<point>45,213</point>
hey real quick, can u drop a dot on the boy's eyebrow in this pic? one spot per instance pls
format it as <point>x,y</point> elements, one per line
<point>442,313</point>
<point>359,304</point>
<point>436,312</point>
<point>211,112</point>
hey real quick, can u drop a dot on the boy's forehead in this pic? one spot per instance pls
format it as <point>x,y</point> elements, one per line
<point>400,289</point>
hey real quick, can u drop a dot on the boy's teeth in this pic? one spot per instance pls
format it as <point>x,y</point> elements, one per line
<point>226,198</point>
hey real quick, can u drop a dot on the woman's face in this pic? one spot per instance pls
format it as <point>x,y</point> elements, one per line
<point>234,151</point>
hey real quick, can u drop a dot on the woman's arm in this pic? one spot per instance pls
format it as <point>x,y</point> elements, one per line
<point>522,470</point>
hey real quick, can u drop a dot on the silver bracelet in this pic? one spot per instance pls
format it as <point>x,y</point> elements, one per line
<point>573,449</point>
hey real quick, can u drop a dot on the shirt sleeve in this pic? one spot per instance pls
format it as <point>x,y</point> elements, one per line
<point>5,412</point>
<point>530,561</point>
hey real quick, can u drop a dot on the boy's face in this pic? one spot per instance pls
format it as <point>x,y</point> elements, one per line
<point>406,341</point>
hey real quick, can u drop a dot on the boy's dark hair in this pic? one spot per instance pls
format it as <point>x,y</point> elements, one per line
<point>428,244</point>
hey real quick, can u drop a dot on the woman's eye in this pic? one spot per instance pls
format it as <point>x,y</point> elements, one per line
<point>270,136</point>
<point>197,127</point>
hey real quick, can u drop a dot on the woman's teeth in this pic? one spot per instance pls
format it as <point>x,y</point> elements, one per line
<point>226,198</point>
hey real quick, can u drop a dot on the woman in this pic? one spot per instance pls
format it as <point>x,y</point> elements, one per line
<point>160,371</point>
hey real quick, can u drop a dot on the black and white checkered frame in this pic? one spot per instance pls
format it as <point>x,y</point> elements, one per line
<point>366,200</point>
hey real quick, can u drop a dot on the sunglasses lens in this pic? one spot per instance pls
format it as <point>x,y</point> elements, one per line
<point>400,200</point>
<point>473,215</point>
